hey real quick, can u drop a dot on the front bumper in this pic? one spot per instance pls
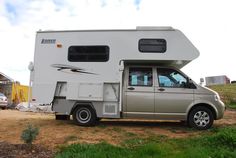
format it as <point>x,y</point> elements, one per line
<point>3,104</point>
<point>221,109</point>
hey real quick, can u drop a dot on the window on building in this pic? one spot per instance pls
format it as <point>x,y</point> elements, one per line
<point>88,53</point>
<point>152,45</point>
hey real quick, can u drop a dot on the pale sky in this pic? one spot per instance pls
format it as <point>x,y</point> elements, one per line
<point>209,24</point>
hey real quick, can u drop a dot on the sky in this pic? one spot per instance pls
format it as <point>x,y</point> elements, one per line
<point>209,24</point>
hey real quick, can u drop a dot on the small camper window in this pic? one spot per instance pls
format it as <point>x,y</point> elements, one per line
<point>88,53</point>
<point>152,45</point>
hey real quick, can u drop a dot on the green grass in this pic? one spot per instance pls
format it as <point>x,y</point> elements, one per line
<point>102,126</point>
<point>217,143</point>
<point>232,105</point>
<point>227,93</point>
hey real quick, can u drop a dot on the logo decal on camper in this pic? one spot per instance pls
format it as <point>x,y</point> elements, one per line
<point>48,41</point>
<point>71,69</point>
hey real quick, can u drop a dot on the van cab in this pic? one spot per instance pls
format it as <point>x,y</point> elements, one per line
<point>166,93</point>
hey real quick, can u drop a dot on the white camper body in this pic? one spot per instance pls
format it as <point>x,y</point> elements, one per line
<point>55,76</point>
<point>78,68</point>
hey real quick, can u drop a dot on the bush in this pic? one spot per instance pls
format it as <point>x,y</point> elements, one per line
<point>29,134</point>
<point>232,82</point>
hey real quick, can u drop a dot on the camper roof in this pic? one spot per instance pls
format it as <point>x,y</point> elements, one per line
<point>138,28</point>
<point>126,45</point>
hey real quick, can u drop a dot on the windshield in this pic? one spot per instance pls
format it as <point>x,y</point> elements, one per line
<point>2,95</point>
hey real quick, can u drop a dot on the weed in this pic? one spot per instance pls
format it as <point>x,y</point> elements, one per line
<point>29,134</point>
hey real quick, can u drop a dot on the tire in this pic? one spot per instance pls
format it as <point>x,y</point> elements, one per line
<point>84,116</point>
<point>201,118</point>
<point>62,117</point>
<point>98,119</point>
<point>4,108</point>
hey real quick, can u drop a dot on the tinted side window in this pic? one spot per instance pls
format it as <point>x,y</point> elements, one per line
<point>171,78</point>
<point>152,45</point>
<point>140,76</point>
<point>88,53</point>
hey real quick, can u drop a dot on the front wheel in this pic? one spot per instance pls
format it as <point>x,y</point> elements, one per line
<point>201,118</point>
<point>84,116</point>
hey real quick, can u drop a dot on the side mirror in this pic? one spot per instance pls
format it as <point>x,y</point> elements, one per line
<point>190,84</point>
<point>201,81</point>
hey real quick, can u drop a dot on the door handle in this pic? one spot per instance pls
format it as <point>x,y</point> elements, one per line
<point>161,89</point>
<point>130,88</point>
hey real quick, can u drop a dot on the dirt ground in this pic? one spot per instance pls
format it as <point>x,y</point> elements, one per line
<point>54,133</point>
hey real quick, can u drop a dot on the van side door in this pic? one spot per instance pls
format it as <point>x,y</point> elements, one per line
<point>139,92</point>
<point>172,95</point>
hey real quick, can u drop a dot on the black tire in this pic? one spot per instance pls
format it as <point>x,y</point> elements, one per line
<point>62,117</point>
<point>98,119</point>
<point>84,116</point>
<point>201,118</point>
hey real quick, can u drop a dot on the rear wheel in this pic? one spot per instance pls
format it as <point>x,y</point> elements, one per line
<point>201,118</point>
<point>84,116</point>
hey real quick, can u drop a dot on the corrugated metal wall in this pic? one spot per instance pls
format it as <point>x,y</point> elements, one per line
<point>15,92</point>
<point>19,93</point>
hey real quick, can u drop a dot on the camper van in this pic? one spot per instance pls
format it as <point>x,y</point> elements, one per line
<point>95,74</point>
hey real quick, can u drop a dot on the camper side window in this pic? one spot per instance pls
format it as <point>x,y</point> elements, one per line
<point>140,77</point>
<point>152,45</point>
<point>88,53</point>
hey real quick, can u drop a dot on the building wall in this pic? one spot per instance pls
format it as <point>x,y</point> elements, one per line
<point>19,93</point>
<point>217,80</point>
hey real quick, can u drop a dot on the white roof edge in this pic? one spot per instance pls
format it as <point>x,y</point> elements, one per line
<point>139,28</point>
<point>158,28</point>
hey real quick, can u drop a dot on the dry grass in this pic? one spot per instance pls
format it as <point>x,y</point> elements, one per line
<point>227,93</point>
<point>54,133</point>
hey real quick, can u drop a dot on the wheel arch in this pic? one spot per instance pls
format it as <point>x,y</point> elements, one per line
<point>209,106</point>
<point>78,104</point>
